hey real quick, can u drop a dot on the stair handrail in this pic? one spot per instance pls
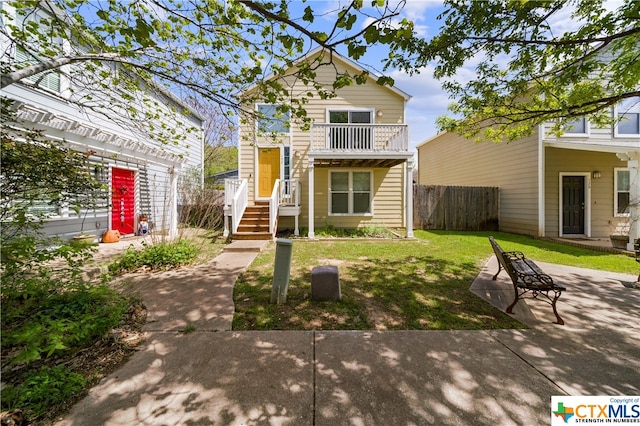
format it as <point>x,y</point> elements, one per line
<point>273,207</point>
<point>289,192</point>
<point>230,189</point>
<point>239,204</point>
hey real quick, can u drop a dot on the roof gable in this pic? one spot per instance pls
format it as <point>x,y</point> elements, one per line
<point>344,61</point>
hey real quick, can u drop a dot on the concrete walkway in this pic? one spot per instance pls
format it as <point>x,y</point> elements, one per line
<point>507,377</point>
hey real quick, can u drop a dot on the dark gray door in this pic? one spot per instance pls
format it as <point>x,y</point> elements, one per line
<point>573,205</point>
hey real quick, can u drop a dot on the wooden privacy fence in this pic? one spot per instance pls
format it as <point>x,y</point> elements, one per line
<point>456,208</point>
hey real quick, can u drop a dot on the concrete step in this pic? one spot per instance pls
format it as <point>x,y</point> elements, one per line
<point>246,245</point>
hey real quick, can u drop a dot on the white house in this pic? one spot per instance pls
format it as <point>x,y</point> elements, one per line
<point>140,170</point>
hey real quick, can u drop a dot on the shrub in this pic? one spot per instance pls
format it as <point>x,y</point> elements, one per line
<point>162,255</point>
<point>51,321</point>
<point>42,390</point>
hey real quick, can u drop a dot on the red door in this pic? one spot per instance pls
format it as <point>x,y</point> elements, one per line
<point>122,200</point>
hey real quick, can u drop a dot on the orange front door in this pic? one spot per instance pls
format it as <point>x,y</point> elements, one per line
<point>122,200</point>
<point>268,170</point>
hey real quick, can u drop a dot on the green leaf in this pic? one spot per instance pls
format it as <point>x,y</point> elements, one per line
<point>308,14</point>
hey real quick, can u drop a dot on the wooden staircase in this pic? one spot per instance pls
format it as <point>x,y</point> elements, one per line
<point>254,224</point>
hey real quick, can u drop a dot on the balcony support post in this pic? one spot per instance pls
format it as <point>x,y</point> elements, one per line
<point>311,193</point>
<point>408,209</point>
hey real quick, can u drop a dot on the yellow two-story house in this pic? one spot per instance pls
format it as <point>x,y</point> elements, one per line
<point>351,169</point>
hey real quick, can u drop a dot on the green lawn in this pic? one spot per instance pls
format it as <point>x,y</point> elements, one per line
<point>420,284</point>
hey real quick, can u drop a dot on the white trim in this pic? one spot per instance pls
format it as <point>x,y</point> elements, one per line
<point>587,202</point>
<point>408,207</point>
<point>311,200</point>
<point>350,192</point>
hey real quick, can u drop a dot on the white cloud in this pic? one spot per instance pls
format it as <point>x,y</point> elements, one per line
<point>427,103</point>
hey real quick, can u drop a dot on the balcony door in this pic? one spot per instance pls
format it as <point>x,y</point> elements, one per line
<point>353,137</point>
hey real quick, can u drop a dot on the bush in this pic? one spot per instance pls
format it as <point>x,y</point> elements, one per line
<point>162,256</point>
<point>46,321</point>
<point>43,389</point>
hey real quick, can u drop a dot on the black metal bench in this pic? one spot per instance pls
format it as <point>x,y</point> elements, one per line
<point>527,277</point>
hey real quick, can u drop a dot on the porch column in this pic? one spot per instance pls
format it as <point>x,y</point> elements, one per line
<point>409,197</point>
<point>311,233</point>
<point>633,163</point>
<point>173,203</point>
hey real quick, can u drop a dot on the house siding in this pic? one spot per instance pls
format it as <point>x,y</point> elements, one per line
<point>449,159</point>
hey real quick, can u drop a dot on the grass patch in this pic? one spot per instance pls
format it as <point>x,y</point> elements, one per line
<point>420,284</point>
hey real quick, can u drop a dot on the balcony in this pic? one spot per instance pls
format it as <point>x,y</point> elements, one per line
<point>359,145</point>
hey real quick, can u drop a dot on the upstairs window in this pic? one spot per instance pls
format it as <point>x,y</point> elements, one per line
<point>622,191</point>
<point>578,126</point>
<point>352,138</point>
<point>47,79</point>
<point>272,120</point>
<point>628,115</point>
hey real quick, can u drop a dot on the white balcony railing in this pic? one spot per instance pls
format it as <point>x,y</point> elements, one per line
<point>360,137</point>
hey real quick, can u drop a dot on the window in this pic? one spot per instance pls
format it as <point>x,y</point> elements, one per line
<point>287,170</point>
<point>628,114</point>
<point>272,120</point>
<point>622,191</point>
<point>350,193</point>
<point>350,137</point>
<point>576,126</point>
<point>46,79</point>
